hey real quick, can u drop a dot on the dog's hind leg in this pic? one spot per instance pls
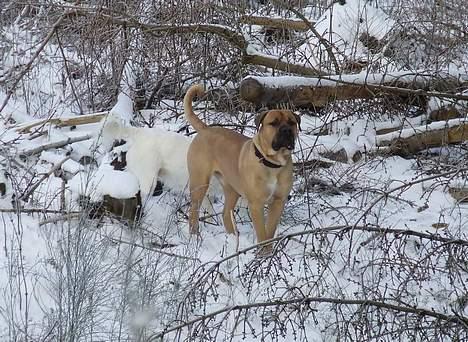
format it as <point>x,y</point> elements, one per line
<point>230,199</point>
<point>198,187</point>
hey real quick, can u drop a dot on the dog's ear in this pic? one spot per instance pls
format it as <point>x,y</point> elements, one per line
<point>259,118</point>
<point>298,120</point>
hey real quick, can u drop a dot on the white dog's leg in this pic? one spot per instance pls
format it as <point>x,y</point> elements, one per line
<point>145,166</point>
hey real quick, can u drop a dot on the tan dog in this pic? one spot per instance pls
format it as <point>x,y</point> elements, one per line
<point>260,168</point>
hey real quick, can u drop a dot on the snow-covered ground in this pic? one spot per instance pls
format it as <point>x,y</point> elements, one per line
<point>63,273</point>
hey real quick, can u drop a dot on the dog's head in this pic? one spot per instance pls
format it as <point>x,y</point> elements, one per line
<point>278,129</point>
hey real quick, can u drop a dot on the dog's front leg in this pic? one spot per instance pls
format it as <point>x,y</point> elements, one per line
<point>275,209</point>
<point>258,218</point>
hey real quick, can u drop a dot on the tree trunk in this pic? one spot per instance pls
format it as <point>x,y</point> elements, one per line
<point>317,92</point>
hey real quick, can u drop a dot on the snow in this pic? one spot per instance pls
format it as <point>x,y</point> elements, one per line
<point>342,25</point>
<point>105,181</point>
<point>363,77</point>
<point>55,158</point>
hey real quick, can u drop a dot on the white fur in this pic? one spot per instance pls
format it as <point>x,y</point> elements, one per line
<point>152,154</point>
<point>157,154</point>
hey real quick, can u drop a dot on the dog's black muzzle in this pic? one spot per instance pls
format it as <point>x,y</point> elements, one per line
<point>284,138</point>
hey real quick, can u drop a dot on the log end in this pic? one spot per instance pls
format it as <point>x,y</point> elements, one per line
<point>252,91</point>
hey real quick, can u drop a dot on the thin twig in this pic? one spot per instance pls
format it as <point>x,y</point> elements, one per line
<point>307,301</point>
<point>25,196</point>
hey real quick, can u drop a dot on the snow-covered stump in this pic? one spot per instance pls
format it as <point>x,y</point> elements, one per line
<point>108,191</point>
<point>127,210</point>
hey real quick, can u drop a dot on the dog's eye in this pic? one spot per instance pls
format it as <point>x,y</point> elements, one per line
<point>274,123</point>
<point>291,123</point>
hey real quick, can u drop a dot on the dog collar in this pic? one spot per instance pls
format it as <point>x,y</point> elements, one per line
<point>264,161</point>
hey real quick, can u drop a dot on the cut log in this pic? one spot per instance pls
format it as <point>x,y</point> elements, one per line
<point>278,23</point>
<point>128,209</point>
<point>412,140</point>
<point>316,92</point>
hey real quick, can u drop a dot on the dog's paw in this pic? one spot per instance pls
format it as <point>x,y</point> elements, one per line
<point>265,251</point>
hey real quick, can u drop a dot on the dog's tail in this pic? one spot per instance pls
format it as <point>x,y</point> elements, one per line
<point>192,118</point>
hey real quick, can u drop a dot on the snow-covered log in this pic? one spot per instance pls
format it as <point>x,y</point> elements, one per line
<point>316,92</point>
<point>412,140</point>
<point>445,113</point>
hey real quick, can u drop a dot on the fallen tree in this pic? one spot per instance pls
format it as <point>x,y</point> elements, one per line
<point>408,141</point>
<point>316,92</point>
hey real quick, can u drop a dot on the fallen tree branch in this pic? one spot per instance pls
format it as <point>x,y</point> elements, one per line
<point>134,244</point>
<point>25,195</point>
<point>56,219</point>
<point>56,144</point>
<point>63,122</point>
<point>37,210</point>
<point>236,39</point>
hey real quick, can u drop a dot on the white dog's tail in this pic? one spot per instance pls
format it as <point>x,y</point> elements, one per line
<point>192,118</point>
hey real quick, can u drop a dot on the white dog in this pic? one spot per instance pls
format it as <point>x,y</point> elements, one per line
<point>152,154</point>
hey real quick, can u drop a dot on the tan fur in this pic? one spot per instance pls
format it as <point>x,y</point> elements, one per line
<point>195,90</point>
<point>230,156</point>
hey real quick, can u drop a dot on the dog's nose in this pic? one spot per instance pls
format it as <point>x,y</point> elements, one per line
<point>285,129</point>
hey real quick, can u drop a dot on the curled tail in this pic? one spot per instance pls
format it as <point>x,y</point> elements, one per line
<point>192,118</point>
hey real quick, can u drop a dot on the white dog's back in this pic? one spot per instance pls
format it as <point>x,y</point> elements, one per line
<point>158,154</point>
